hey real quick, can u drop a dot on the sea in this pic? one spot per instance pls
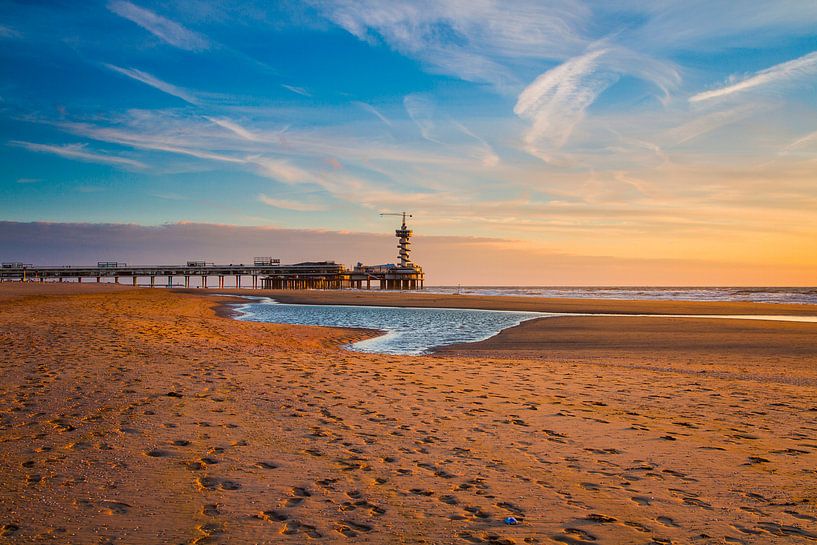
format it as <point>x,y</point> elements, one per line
<point>794,295</point>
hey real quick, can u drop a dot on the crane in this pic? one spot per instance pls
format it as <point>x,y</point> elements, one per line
<point>404,234</point>
<point>404,214</point>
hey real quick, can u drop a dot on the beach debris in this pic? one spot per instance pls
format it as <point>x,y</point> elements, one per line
<point>511,521</point>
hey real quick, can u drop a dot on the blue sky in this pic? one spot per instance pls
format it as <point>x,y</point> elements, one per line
<point>679,130</point>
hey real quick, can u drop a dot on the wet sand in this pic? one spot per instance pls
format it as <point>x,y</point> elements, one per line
<point>535,304</point>
<point>141,416</point>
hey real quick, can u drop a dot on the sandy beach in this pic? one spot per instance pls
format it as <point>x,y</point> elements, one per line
<point>146,416</point>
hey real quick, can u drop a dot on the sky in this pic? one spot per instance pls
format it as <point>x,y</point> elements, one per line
<point>538,143</point>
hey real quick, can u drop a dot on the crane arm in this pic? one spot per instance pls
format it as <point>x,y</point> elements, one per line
<point>404,214</point>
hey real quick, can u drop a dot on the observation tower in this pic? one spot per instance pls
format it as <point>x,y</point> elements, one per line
<point>403,234</point>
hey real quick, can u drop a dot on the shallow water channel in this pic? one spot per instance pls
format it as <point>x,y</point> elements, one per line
<point>415,331</point>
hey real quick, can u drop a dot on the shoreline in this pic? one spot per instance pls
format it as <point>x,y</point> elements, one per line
<point>533,337</point>
<point>742,348</point>
<point>512,303</point>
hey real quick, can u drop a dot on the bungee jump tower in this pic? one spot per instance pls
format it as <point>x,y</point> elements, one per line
<point>404,275</point>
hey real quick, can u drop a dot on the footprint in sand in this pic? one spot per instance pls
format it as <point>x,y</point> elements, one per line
<point>642,500</point>
<point>666,521</point>
<point>208,531</point>
<point>213,483</point>
<point>273,516</point>
<point>493,539</point>
<point>449,499</point>
<point>210,510</point>
<point>297,496</point>
<point>293,527</point>
<point>477,512</point>
<point>575,535</point>
<point>784,530</point>
<point>601,519</point>
<point>350,529</point>
<point>512,508</point>
<point>114,507</point>
<point>8,530</point>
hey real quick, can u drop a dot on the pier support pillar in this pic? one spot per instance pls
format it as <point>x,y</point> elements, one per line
<point>238,281</point>
<point>98,279</point>
<point>134,280</point>
<point>221,281</point>
<point>169,281</point>
<point>204,281</point>
<point>79,280</point>
<point>152,281</point>
<point>187,281</point>
<point>255,281</point>
<point>116,280</point>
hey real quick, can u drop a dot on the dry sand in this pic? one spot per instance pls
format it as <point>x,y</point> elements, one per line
<point>141,416</point>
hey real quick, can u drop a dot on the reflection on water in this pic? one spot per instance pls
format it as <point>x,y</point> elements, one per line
<point>416,331</point>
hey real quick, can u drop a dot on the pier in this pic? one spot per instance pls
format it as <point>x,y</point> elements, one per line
<point>264,273</point>
<point>312,275</point>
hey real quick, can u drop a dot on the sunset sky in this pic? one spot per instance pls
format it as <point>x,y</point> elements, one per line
<point>620,142</point>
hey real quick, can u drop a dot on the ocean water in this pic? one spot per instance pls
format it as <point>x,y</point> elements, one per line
<point>416,331</point>
<point>407,330</point>
<point>797,295</point>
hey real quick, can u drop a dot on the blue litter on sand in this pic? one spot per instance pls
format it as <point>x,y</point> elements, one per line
<point>511,520</point>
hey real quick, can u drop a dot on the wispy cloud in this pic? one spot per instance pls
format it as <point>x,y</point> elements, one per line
<point>802,66</point>
<point>156,83</point>
<point>555,102</point>
<point>297,90</point>
<point>801,142</point>
<point>712,121</point>
<point>485,152</point>
<point>171,196</point>
<point>8,32</point>
<point>421,110</point>
<point>166,30</point>
<point>708,26</point>
<point>374,111</point>
<point>233,127</point>
<point>280,169</point>
<point>78,151</point>
<point>470,40</point>
<point>28,180</point>
<point>290,205</point>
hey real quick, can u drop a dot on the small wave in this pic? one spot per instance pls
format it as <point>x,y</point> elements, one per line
<point>797,295</point>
